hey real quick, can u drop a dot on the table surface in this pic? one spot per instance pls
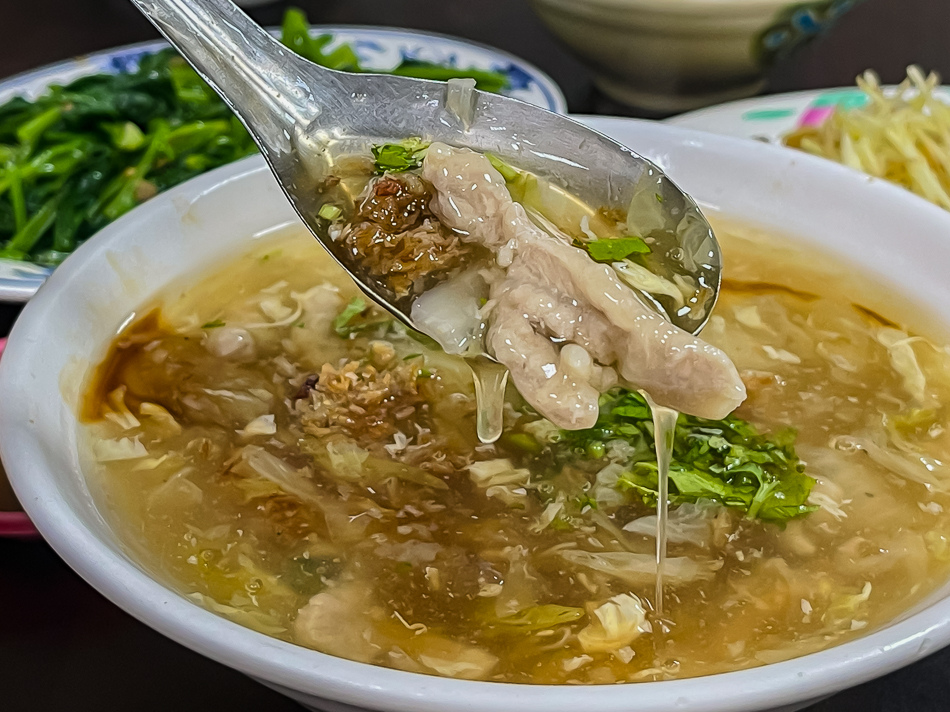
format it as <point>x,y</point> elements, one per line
<point>63,646</point>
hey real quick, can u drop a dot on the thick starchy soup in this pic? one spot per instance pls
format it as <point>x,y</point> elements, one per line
<point>290,458</point>
<point>294,459</point>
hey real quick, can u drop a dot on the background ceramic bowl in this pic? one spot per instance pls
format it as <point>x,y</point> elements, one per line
<point>187,230</point>
<point>677,55</point>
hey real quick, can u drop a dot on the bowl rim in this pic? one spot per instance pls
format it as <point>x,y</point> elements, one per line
<point>309,672</point>
<point>550,88</point>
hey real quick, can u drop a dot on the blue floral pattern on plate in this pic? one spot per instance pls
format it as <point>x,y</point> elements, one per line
<point>797,24</point>
<point>379,48</point>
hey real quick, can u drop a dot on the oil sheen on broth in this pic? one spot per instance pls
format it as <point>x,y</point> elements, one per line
<point>306,468</point>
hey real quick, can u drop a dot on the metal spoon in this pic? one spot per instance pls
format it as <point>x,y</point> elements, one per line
<point>303,117</point>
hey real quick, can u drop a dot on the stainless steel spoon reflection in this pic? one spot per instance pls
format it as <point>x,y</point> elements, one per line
<point>303,117</point>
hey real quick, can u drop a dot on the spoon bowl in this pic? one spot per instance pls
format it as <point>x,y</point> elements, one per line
<point>304,116</point>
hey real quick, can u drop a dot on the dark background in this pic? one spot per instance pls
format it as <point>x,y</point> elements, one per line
<point>64,647</point>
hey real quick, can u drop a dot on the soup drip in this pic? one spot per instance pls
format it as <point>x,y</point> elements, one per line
<point>490,380</point>
<point>664,424</point>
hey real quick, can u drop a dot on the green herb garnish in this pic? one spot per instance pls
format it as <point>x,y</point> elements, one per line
<point>724,460</point>
<point>329,212</point>
<point>614,249</point>
<point>212,324</point>
<point>399,157</point>
<point>358,316</point>
<point>343,324</point>
<point>85,153</point>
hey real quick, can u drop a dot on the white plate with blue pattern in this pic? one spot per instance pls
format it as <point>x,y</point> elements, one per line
<point>379,48</point>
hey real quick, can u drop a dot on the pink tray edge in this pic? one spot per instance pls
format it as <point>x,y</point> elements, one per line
<point>16,525</point>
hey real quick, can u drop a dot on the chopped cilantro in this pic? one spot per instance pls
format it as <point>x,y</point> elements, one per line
<point>355,307</point>
<point>725,460</point>
<point>357,316</point>
<point>399,157</point>
<point>586,501</point>
<point>213,324</point>
<point>614,249</point>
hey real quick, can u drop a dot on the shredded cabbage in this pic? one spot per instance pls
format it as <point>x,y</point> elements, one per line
<point>640,569</point>
<point>160,415</point>
<point>931,473</point>
<point>256,461</point>
<point>120,413</point>
<point>120,449</point>
<point>346,458</point>
<point>614,625</point>
<point>639,277</point>
<point>900,349</point>
<point>689,523</point>
<point>261,425</point>
<point>253,619</point>
<point>901,136</point>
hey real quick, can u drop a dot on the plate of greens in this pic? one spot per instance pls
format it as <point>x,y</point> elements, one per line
<point>84,141</point>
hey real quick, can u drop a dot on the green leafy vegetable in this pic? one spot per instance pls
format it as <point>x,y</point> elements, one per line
<point>295,33</point>
<point>399,157</point>
<point>485,80</point>
<point>724,460</point>
<point>358,316</point>
<point>615,249</point>
<point>542,617</point>
<point>85,153</point>
<point>344,321</point>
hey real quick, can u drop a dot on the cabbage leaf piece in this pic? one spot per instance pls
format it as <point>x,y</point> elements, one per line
<point>359,316</point>
<point>726,460</point>
<point>542,617</point>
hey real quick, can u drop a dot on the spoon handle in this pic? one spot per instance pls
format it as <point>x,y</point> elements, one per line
<point>257,76</point>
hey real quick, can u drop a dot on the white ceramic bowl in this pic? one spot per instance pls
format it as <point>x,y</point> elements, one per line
<point>678,55</point>
<point>187,230</point>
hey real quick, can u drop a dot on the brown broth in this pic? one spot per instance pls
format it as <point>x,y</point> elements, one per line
<point>408,562</point>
